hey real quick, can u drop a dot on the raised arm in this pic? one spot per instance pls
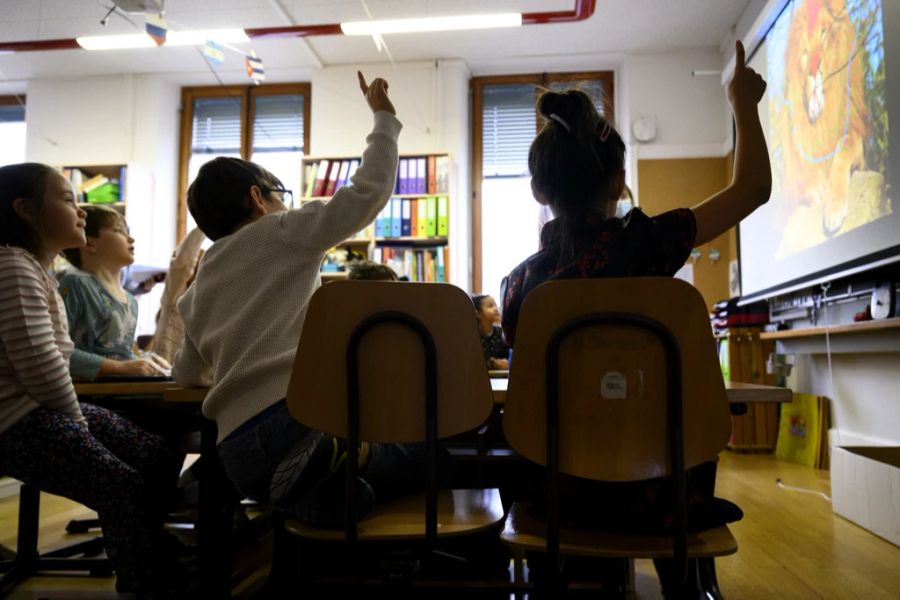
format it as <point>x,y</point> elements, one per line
<point>321,225</point>
<point>752,181</point>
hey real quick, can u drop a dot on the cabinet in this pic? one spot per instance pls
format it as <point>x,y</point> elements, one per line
<point>743,354</point>
<point>411,233</point>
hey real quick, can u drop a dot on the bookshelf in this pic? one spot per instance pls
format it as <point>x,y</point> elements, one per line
<point>99,184</point>
<point>411,233</point>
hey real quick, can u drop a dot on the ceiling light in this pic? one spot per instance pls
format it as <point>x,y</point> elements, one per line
<point>173,38</point>
<point>432,24</point>
<point>115,42</point>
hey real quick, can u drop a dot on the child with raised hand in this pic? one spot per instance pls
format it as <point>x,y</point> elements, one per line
<point>577,165</point>
<point>496,352</point>
<point>48,439</point>
<point>243,316</point>
<point>102,314</point>
<point>183,267</point>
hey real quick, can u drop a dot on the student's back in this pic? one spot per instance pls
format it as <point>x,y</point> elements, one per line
<point>245,310</point>
<point>577,165</point>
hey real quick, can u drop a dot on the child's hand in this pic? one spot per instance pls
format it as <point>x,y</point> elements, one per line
<point>139,367</point>
<point>746,87</point>
<point>376,94</point>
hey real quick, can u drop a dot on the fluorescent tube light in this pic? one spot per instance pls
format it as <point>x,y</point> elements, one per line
<point>200,36</point>
<point>173,38</point>
<point>457,23</point>
<point>115,42</point>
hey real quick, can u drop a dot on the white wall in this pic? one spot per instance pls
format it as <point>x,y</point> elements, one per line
<point>865,397</point>
<point>120,119</point>
<point>431,99</point>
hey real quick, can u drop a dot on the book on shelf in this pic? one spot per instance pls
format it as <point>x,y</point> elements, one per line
<point>321,178</point>
<point>421,180</point>
<point>443,210</point>
<point>430,184</point>
<point>418,264</point>
<point>97,184</point>
<point>442,174</point>
<point>405,219</point>
<point>426,174</point>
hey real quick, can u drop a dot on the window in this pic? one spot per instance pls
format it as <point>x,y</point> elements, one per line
<point>266,124</point>
<point>506,221</point>
<point>12,130</point>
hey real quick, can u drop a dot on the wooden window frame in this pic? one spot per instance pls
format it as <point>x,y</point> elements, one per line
<point>13,99</point>
<point>542,82</point>
<point>246,95</point>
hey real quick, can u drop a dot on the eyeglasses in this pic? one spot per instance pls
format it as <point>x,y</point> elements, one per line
<point>287,196</point>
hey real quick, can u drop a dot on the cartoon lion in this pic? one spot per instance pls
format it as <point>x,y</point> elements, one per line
<point>824,115</point>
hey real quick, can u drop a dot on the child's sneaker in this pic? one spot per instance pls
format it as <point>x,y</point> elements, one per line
<point>324,505</point>
<point>315,458</point>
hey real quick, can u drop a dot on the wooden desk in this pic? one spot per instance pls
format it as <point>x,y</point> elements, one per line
<point>738,393</point>
<point>124,388</point>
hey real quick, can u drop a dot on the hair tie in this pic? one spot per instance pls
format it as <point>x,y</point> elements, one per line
<point>561,121</point>
<point>605,133</point>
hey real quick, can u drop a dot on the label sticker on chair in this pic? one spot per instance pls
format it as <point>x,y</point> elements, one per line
<point>614,386</point>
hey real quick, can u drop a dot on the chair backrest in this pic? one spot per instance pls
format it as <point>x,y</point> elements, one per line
<point>391,361</point>
<point>612,379</point>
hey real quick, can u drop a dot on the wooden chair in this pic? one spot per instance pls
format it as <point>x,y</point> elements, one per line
<point>615,380</point>
<point>86,556</point>
<point>395,363</point>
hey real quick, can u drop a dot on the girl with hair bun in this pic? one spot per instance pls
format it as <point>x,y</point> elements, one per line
<point>577,164</point>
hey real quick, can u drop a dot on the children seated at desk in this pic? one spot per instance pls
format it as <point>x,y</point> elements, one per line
<point>48,439</point>
<point>243,316</point>
<point>496,352</point>
<point>102,315</point>
<point>577,166</point>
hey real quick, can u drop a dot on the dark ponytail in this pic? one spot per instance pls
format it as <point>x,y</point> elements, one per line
<point>574,161</point>
<point>29,182</point>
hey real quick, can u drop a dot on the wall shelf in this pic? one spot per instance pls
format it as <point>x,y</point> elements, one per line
<point>865,336</point>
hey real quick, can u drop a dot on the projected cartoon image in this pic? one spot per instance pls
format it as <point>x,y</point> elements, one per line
<point>828,120</point>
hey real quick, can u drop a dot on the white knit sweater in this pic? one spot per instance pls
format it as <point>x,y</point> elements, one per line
<point>244,312</point>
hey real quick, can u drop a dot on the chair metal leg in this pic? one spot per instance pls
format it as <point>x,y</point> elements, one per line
<point>709,585</point>
<point>27,561</point>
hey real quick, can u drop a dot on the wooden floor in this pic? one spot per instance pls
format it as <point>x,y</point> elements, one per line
<point>791,544</point>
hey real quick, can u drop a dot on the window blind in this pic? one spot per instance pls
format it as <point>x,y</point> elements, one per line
<point>216,128</point>
<point>12,113</point>
<point>278,123</point>
<point>508,126</point>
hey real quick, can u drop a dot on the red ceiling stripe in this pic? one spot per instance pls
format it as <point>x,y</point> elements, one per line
<point>583,10</point>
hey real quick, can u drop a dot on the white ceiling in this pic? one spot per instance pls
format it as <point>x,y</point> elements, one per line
<point>617,26</point>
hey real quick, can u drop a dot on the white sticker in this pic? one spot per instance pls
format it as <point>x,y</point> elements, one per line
<point>614,386</point>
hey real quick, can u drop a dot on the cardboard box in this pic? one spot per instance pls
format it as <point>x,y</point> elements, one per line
<point>865,488</point>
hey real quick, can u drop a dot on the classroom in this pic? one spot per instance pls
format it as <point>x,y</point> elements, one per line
<point>509,299</point>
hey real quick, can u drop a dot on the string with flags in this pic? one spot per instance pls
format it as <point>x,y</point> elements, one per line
<point>156,27</point>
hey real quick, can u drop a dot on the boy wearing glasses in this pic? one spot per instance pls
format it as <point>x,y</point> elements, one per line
<point>245,310</point>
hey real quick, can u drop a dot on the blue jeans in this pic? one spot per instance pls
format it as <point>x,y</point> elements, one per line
<point>251,455</point>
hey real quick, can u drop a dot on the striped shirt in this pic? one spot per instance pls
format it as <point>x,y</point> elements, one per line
<point>34,341</point>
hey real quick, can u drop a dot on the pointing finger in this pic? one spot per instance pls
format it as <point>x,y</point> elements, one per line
<point>362,83</point>
<point>739,55</point>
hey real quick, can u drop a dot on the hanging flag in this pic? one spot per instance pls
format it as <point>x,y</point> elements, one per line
<point>214,52</point>
<point>156,27</point>
<point>254,66</point>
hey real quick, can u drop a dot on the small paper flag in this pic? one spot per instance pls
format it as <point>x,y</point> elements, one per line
<point>214,52</point>
<point>157,27</point>
<point>254,66</point>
